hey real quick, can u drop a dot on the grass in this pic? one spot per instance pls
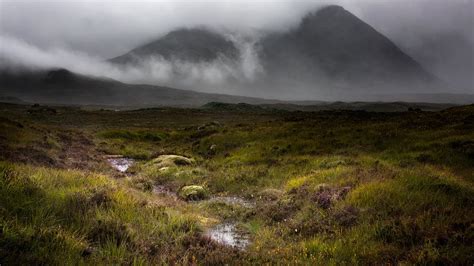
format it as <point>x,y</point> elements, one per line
<point>60,216</point>
<point>134,136</point>
<point>329,187</point>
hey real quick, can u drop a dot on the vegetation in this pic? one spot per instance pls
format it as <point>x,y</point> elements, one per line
<point>327,187</point>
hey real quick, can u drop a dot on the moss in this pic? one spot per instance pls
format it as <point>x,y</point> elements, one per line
<point>193,192</point>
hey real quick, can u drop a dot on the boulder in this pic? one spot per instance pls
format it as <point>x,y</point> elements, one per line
<point>171,160</point>
<point>193,192</point>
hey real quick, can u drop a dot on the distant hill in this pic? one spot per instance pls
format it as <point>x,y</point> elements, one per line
<point>61,86</point>
<point>327,106</point>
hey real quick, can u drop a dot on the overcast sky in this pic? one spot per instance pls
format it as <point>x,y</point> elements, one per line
<point>107,29</point>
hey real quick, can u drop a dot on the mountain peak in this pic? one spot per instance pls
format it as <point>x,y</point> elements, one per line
<point>331,9</point>
<point>336,14</point>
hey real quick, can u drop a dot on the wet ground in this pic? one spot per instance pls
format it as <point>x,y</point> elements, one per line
<point>228,234</point>
<point>233,200</point>
<point>121,164</point>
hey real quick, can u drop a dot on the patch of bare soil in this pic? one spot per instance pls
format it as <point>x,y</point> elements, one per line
<point>27,155</point>
<point>77,151</point>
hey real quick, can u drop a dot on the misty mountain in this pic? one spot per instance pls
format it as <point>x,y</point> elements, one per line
<point>333,47</point>
<point>60,86</point>
<point>330,52</point>
<point>448,55</point>
<point>193,45</point>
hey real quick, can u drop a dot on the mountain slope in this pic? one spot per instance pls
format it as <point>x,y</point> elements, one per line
<point>192,45</point>
<point>334,47</point>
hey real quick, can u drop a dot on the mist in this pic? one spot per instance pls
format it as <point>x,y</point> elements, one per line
<point>203,76</point>
<point>80,36</point>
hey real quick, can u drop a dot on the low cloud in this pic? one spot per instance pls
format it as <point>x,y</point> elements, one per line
<point>205,76</point>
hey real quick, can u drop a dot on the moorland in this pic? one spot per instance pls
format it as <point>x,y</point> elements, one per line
<point>288,187</point>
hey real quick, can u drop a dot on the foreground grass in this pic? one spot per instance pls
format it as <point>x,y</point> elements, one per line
<point>69,217</point>
<point>335,187</point>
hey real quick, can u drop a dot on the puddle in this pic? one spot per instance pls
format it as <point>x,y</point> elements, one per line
<point>233,201</point>
<point>120,164</point>
<point>228,234</point>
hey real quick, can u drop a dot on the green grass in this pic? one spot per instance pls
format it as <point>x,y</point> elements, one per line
<point>330,187</point>
<point>60,216</point>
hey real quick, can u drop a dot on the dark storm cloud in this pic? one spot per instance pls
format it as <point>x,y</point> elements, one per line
<point>438,33</point>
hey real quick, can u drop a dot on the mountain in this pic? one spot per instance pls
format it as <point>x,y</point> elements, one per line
<point>449,55</point>
<point>193,45</point>
<point>60,86</point>
<point>334,48</point>
<point>330,52</point>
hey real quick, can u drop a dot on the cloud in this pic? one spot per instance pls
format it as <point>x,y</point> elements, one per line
<point>108,28</point>
<point>207,76</point>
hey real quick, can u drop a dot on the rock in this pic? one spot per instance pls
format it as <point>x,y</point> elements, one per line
<point>171,160</point>
<point>193,192</point>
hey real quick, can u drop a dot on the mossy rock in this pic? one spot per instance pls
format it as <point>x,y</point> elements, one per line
<point>172,160</point>
<point>193,192</point>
